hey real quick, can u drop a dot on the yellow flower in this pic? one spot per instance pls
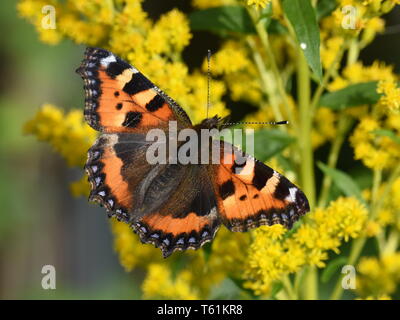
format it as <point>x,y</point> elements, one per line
<point>272,256</point>
<point>131,251</point>
<point>159,284</point>
<point>67,133</point>
<point>231,58</point>
<point>324,128</point>
<point>385,217</point>
<point>372,228</point>
<point>372,27</point>
<point>379,276</point>
<point>330,51</point>
<point>391,95</point>
<point>258,3</point>
<point>396,193</point>
<point>80,187</point>
<point>204,4</point>
<point>381,297</point>
<point>375,152</point>
<point>175,27</point>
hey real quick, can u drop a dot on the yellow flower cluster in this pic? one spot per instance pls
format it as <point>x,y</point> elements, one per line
<point>391,95</point>
<point>350,19</point>
<point>378,276</point>
<point>355,15</point>
<point>208,267</point>
<point>160,284</point>
<point>272,255</point>
<point>204,4</point>
<point>68,23</point>
<point>125,29</point>
<point>377,152</point>
<point>357,73</point>
<point>132,253</point>
<point>325,127</point>
<point>381,297</point>
<point>233,63</point>
<point>389,214</point>
<point>330,48</point>
<point>258,4</point>
<point>67,133</point>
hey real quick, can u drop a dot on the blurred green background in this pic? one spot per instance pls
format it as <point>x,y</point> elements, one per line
<point>40,222</point>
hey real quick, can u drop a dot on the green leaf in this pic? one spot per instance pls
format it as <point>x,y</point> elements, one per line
<point>343,181</point>
<point>275,27</point>
<point>332,268</point>
<point>240,284</point>
<point>276,288</point>
<point>293,230</point>
<point>266,15</point>
<point>227,289</point>
<point>207,249</point>
<point>222,19</point>
<point>302,16</point>
<point>351,96</point>
<point>387,133</point>
<point>325,8</point>
<point>268,143</point>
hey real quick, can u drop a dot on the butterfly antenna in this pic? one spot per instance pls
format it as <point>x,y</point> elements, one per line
<point>256,122</point>
<point>208,79</point>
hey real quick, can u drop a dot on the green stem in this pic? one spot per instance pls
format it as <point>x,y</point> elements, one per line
<point>321,87</point>
<point>377,178</point>
<point>395,174</point>
<point>263,35</point>
<point>354,51</point>
<point>289,288</point>
<point>311,284</point>
<point>298,280</point>
<point>306,151</point>
<point>344,124</point>
<point>391,244</point>
<point>268,85</point>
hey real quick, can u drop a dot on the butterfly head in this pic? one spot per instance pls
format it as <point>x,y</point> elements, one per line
<point>212,123</point>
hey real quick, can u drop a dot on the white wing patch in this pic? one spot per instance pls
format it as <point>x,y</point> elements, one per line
<point>106,61</point>
<point>292,196</point>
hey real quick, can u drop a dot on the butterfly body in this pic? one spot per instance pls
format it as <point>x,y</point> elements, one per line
<point>173,205</point>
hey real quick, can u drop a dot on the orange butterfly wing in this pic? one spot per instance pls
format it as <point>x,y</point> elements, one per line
<point>118,98</point>
<point>251,194</point>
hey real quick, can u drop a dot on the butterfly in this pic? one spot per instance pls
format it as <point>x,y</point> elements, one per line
<point>173,206</point>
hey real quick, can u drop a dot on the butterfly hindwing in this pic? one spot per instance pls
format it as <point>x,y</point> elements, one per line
<point>115,164</point>
<point>185,222</point>
<point>118,98</point>
<point>172,206</point>
<point>251,194</point>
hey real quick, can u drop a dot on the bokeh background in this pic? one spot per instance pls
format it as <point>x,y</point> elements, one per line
<point>40,221</point>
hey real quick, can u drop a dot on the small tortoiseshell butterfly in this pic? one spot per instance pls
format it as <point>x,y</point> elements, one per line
<point>173,206</point>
